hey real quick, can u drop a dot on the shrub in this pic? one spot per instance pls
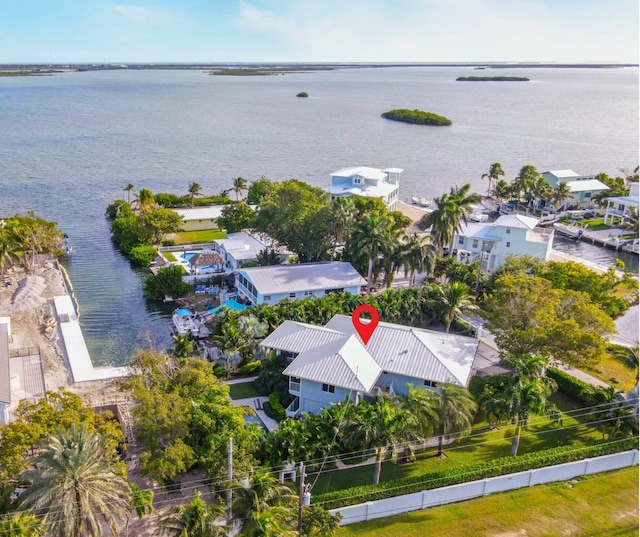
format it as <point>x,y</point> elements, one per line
<point>143,255</point>
<point>249,368</point>
<point>273,408</point>
<point>582,392</point>
<point>168,281</point>
<point>219,371</point>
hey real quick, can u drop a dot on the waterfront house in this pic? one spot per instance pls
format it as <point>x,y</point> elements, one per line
<point>582,187</point>
<point>620,207</point>
<point>271,284</point>
<point>331,363</point>
<point>492,242</point>
<point>238,248</point>
<point>367,182</point>
<point>199,218</point>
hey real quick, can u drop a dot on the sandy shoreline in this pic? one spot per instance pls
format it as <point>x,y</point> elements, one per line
<point>27,299</point>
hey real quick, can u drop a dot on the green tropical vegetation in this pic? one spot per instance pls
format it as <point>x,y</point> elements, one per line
<point>418,117</point>
<point>196,519</point>
<point>302,94</point>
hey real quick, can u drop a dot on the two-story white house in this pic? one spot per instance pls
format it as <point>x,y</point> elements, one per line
<point>492,242</point>
<point>582,187</point>
<point>367,182</point>
<point>271,284</point>
<point>331,363</point>
<point>238,248</point>
<point>620,207</point>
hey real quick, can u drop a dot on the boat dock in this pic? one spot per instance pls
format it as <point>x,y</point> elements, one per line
<point>609,238</point>
<point>75,346</point>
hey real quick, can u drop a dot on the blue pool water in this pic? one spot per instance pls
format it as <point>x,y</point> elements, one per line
<point>256,419</point>
<point>183,311</point>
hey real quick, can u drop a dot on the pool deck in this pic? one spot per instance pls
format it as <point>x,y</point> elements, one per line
<point>75,347</point>
<point>270,423</point>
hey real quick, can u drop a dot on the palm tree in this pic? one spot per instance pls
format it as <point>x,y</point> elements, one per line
<point>264,491</point>
<point>418,255</point>
<point>370,238</point>
<point>378,425</point>
<point>183,345</point>
<point>527,390</point>
<point>144,200</point>
<point>275,521</point>
<point>194,190</point>
<point>239,186</point>
<point>342,214</point>
<point>454,299</point>
<point>9,246</point>
<point>75,486</point>
<point>561,193</point>
<point>196,519</point>
<point>268,257</point>
<point>421,403</point>
<point>495,172</point>
<point>438,221</point>
<point>251,327</point>
<point>523,183</point>
<point>628,356</point>
<point>128,189</point>
<point>141,503</point>
<point>455,410</point>
<point>21,525</point>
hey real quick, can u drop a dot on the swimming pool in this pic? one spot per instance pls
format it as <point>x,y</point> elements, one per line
<point>186,256</point>
<point>256,419</point>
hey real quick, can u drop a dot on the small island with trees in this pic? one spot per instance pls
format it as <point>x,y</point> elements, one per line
<point>492,79</point>
<point>418,117</point>
<point>302,94</point>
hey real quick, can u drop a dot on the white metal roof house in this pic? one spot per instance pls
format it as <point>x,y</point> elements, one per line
<point>367,182</point>
<point>582,187</point>
<point>238,248</point>
<point>619,207</point>
<point>509,235</point>
<point>199,218</point>
<point>271,284</point>
<point>331,363</point>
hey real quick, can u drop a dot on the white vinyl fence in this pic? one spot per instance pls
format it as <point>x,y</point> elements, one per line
<point>484,487</point>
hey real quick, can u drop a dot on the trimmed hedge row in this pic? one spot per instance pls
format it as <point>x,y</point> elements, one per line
<point>496,467</point>
<point>582,392</point>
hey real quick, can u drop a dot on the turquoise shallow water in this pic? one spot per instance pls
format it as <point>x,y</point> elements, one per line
<point>70,143</point>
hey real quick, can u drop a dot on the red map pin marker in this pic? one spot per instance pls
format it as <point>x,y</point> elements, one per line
<point>365,330</point>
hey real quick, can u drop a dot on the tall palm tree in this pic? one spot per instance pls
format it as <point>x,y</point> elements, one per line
<point>239,186</point>
<point>342,214</point>
<point>454,299</point>
<point>495,172</point>
<point>183,345</point>
<point>194,190</point>
<point>75,486</point>
<point>128,189</point>
<point>561,193</point>
<point>628,356</point>
<point>370,238</point>
<point>264,491</point>
<point>455,410</point>
<point>21,525</point>
<point>268,257</point>
<point>418,255</point>
<point>527,390</point>
<point>274,521</point>
<point>196,519</point>
<point>524,181</point>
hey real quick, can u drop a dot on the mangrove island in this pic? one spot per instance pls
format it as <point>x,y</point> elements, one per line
<point>416,116</point>
<point>492,79</point>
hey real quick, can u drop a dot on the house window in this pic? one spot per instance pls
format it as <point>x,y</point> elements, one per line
<point>267,298</point>
<point>475,243</point>
<point>357,181</point>
<point>294,384</point>
<point>508,230</point>
<point>292,295</point>
<point>329,388</point>
<point>508,245</point>
<point>587,195</point>
<point>460,240</point>
<point>430,383</point>
<point>307,293</point>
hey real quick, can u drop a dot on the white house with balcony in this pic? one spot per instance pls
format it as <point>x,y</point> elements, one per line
<point>582,187</point>
<point>492,242</point>
<point>367,182</point>
<point>621,207</point>
<point>238,248</point>
<point>271,284</point>
<point>330,363</point>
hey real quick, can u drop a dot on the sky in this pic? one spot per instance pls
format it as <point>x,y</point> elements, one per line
<point>214,31</point>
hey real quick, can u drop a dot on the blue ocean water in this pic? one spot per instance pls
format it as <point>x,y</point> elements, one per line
<point>70,143</point>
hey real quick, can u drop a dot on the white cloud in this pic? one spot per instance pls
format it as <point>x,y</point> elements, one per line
<point>143,15</point>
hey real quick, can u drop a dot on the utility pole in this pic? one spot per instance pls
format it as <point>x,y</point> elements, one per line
<point>229,477</point>
<point>300,498</point>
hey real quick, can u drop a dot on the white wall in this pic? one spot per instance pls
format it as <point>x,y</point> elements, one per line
<point>474,489</point>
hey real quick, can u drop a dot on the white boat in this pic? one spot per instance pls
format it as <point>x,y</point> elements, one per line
<point>479,217</point>
<point>424,202</point>
<point>490,204</point>
<point>186,322</point>
<point>571,230</point>
<point>508,208</point>
<point>415,200</point>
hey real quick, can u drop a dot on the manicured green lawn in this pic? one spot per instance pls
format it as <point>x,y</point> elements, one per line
<point>482,445</point>
<point>243,390</point>
<point>196,237</point>
<point>598,505</point>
